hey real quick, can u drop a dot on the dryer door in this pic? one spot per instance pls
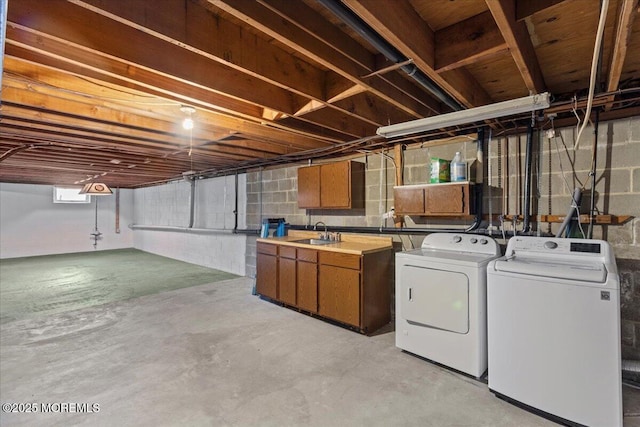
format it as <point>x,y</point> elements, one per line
<point>435,298</point>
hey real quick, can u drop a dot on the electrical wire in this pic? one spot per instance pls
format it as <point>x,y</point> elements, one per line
<point>574,202</point>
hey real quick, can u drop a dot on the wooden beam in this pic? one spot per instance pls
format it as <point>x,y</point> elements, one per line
<point>407,32</point>
<point>40,64</point>
<point>467,42</point>
<point>517,37</point>
<point>269,22</point>
<point>82,35</point>
<point>526,8</point>
<point>283,137</point>
<point>99,116</point>
<point>195,28</point>
<point>190,26</point>
<point>624,26</point>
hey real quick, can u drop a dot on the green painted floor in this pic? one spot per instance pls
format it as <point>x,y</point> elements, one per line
<point>59,283</point>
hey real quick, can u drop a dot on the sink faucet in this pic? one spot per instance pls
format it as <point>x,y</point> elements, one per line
<point>315,227</point>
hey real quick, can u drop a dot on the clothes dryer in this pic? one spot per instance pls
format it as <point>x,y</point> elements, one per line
<point>441,300</point>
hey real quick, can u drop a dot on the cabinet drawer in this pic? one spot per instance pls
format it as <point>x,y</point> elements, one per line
<point>340,260</point>
<point>267,248</point>
<point>288,252</point>
<point>308,255</point>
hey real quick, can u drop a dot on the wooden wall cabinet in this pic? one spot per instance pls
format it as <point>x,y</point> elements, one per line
<point>338,185</point>
<point>449,199</point>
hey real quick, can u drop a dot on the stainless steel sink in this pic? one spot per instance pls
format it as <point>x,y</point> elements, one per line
<point>315,241</point>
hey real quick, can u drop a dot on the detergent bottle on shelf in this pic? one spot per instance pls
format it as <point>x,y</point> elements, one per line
<point>458,168</point>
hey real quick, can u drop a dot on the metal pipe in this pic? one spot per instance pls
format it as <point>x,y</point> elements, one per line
<point>192,202</point>
<point>235,209</point>
<point>527,179</point>
<point>183,229</point>
<point>390,52</point>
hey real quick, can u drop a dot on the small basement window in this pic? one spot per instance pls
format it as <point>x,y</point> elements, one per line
<point>70,195</point>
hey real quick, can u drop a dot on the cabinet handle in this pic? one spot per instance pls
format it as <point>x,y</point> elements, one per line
<point>409,294</point>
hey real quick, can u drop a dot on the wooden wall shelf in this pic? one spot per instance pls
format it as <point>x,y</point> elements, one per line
<point>584,219</point>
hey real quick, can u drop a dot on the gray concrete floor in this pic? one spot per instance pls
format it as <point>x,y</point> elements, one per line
<point>216,355</point>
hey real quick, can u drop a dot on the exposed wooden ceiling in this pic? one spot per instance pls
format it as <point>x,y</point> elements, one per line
<point>94,88</point>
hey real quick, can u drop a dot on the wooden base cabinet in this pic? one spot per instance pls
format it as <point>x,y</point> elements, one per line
<point>267,270</point>
<point>287,275</point>
<point>307,279</point>
<point>339,294</point>
<point>348,288</point>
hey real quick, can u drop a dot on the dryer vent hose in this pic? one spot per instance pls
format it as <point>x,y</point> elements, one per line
<point>575,207</point>
<point>631,370</point>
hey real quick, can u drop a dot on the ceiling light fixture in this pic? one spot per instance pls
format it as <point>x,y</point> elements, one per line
<point>96,189</point>
<point>485,112</point>
<point>187,123</point>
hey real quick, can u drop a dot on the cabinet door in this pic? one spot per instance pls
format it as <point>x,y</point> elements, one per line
<point>408,200</point>
<point>335,188</point>
<point>307,286</point>
<point>339,294</point>
<point>447,199</point>
<point>267,275</point>
<point>309,187</point>
<point>287,281</point>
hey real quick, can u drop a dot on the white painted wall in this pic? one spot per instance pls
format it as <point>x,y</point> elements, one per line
<point>210,243</point>
<point>31,224</point>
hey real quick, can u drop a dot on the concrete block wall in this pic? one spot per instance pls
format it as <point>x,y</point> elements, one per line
<point>210,242</point>
<point>618,190</point>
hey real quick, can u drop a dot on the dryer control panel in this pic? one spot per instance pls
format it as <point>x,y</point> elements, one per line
<point>461,242</point>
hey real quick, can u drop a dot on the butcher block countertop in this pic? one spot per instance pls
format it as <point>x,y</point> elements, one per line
<point>351,243</point>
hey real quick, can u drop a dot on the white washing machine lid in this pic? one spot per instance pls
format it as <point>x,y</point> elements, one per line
<point>449,257</point>
<point>593,272</point>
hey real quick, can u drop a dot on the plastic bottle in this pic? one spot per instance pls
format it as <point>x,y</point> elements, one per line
<point>458,168</point>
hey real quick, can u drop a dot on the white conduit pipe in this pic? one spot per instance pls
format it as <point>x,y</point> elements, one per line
<point>381,208</point>
<point>594,66</point>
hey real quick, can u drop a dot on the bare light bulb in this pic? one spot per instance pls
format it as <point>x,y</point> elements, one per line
<point>187,123</point>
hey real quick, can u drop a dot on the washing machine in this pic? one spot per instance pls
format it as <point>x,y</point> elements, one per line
<point>441,300</point>
<point>554,329</point>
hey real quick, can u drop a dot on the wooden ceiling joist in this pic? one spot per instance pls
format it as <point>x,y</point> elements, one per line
<point>517,38</point>
<point>624,24</point>
<point>403,28</point>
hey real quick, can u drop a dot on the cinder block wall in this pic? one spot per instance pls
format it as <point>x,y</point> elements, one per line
<point>210,242</point>
<point>273,193</point>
